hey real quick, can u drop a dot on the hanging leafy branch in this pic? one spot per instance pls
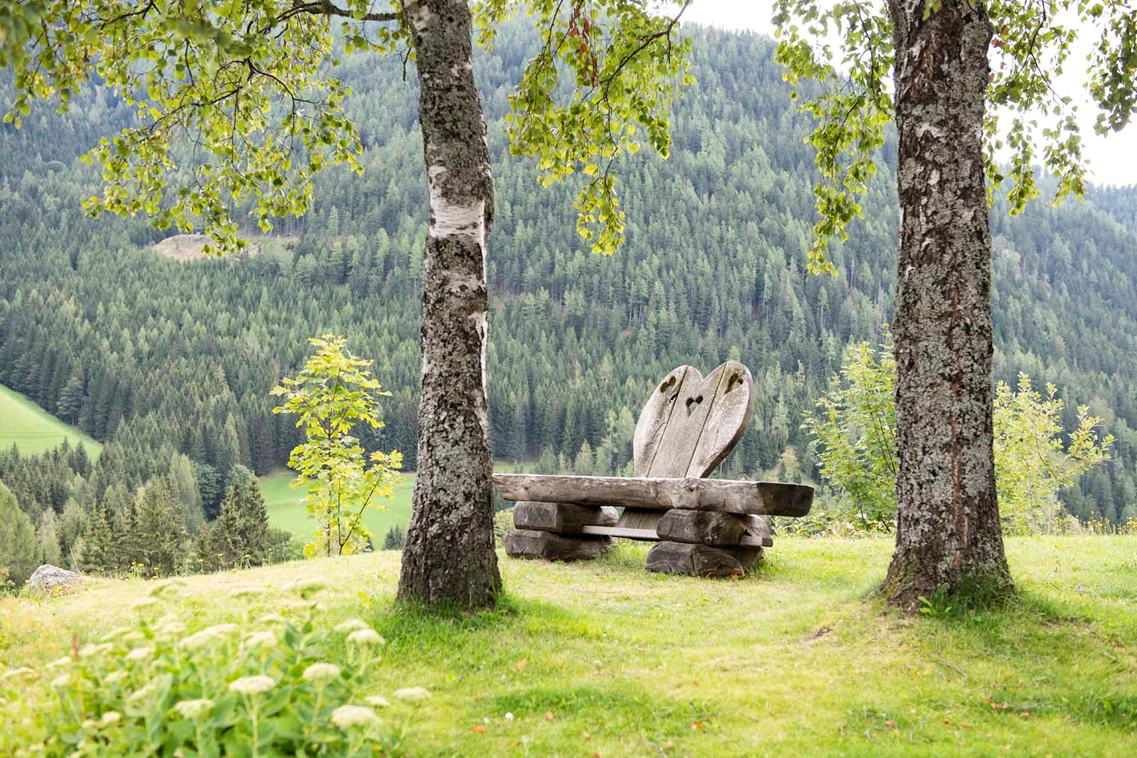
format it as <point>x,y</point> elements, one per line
<point>606,69</point>
<point>838,58</point>
<point>236,107</point>
<point>232,99</point>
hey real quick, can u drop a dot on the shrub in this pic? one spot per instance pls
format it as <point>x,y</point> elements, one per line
<point>260,688</point>
<point>854,432</point>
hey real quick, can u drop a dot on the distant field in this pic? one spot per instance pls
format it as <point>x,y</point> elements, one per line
<point>33,429</point>
<point>286,512</point>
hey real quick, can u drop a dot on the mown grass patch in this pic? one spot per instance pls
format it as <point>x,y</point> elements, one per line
<point>798,659</point>
<point>33,430</point>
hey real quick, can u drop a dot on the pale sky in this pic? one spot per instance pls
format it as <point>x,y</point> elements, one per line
<point>1112,159</point>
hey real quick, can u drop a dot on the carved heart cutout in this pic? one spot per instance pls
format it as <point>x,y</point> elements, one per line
<point>692,442</point>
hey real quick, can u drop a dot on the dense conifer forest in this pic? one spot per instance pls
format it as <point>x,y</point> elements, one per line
<point>170,362</point>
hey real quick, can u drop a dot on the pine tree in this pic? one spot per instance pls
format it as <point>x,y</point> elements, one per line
<point>158,532</point>
<point>99,543</point>
<point>396,538</point>
<point>17,540</point>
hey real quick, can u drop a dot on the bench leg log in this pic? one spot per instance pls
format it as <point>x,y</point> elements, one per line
<point>529,543</point>
<point>702,560</point>
<point>562,518</point>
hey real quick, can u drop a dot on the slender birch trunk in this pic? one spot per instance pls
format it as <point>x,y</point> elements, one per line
<point>948,531</point>
<point>449,556</point>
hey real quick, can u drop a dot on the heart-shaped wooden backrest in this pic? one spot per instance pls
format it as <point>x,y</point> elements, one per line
<point>691,423</point>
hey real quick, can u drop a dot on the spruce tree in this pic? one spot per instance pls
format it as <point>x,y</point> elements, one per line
<point>17,540</point>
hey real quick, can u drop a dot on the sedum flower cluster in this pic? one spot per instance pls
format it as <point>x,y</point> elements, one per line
<point>261,688</point>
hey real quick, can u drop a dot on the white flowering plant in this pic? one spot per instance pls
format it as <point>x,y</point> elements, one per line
<point>258,688</point>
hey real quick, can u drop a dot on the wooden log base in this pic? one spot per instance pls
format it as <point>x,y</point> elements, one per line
<point>563,518</point>
<point>527,543</point>
<point>702,560</point>
<point>701,527</point>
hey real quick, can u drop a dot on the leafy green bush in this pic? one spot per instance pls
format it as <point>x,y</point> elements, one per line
<point>854,433</point>
<point>259,688</point>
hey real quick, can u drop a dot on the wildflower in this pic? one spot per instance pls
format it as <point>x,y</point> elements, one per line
<point>114,677</point>
<point>89,650</point>
<point>111,717</point>
<point>306,587</point>
<point>319,672</point>
<point>64,661</point>
<point>139,653</point>
<point>378,701</point>
<point>17,673</point>
<point>260,639</point>
<point>252,685</point>
<point>207,635</point>
<point>144,603</point>
<point>246,592</point>
<point>193,709</point>
<point>63,680</point>
<point>366,638</point>
<point>170,626</point>
<point>351,625</point>
<point>166,584</point>
<point>348,716</point>
<point>412,693</point>
<point>272,618</point>
<point>142,692</point>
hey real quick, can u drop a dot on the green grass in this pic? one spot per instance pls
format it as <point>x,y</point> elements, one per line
<point>33,429</point>
<point>602,658</point>
<point>286,511</point>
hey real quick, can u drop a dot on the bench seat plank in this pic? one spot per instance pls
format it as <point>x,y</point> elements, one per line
<point>722,495</point>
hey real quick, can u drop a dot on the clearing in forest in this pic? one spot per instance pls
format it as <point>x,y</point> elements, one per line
<point>34,430</point>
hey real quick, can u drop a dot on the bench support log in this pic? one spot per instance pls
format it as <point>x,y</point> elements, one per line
<point>527,543</point>
<point>563,518</point>
<point>702,560</point>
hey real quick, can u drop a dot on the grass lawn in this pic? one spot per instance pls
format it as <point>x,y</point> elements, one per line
<point>33,429</point>
<point>286,512</point>
<point>605,659</point>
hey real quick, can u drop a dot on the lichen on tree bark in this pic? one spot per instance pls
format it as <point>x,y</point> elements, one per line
<point>948,531</point>
<point>449,557</point>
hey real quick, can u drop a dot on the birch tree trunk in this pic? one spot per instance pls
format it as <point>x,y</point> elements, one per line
<point>449,556</point>
<point>948,532</point>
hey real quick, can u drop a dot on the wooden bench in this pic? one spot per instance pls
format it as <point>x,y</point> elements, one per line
<point>703,527</point>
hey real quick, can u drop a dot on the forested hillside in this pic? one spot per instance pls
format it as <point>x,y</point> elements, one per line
<point>168,360</point>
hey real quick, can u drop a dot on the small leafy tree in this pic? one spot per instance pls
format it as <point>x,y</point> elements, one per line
<point>330,395</point>
<point>855,434</point>
<point>1031,465</point>
<point>854,431</point>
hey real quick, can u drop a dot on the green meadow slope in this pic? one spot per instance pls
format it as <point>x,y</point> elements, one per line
<point>34,430</point>
<point>605,659</point>
<point>286,509</point>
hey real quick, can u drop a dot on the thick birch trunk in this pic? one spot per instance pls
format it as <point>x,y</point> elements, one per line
<point>449,556</point>
<point>948,532</point>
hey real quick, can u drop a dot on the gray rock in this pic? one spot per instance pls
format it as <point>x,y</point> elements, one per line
<point>48,577</point>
